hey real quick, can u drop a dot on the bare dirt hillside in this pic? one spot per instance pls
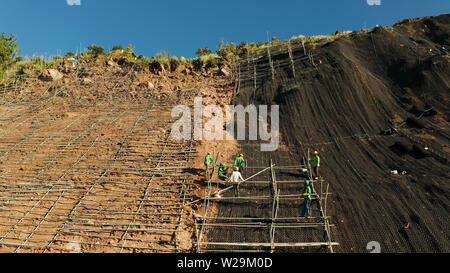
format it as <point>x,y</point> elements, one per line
<point>87,163</point>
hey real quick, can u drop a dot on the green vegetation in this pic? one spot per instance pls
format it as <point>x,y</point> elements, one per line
<point>9,52</point>
<point>203,51</point>
<point>119,52</point>
<point>95,50</point>
<point>117,47</point>
<point>70,54</point>
<point>11,63</point>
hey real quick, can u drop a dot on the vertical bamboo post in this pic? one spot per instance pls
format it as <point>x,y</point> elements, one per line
<point>271,63</point>
<point>15,84</point>
<point>254,78</point>
<point>325,205</point>
<point>303,45</point>
<point>239,79</point>
<point>291,57</point>
<point>274,195</point>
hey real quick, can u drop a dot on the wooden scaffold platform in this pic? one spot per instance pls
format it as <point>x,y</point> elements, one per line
<point>278,199</point>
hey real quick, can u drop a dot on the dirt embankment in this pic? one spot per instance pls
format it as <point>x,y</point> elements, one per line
<point>87,164</point>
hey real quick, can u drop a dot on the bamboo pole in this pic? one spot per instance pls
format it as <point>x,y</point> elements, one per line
<point>229,188</point>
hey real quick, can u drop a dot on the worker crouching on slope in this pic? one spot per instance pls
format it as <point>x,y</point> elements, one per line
<point>208,160</point>
<point>235,179</point>
<point>240,162</point>
<point>316,164</point>
<point>307,204</point>
<point>223,171</point>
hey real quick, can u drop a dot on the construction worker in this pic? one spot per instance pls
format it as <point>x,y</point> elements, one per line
<point>74,61</point>
<point>307,204</point>
<point>236,178</point>
<point>208,160</point>
<point>223,171</point>
<point>240,162</point>
<point>316,164</point>
<point>443,51</point>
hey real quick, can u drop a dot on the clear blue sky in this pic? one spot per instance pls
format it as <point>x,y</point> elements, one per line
<point>182,26</point>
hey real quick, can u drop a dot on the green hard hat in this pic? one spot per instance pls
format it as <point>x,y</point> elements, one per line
<point>221,164</point>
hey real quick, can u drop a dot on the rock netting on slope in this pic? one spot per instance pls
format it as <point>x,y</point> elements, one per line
<point>373,102</point>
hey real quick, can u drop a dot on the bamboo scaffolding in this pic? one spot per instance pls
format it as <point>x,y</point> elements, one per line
<point>311,244</point>
<point>41,203</point>
<point>270,223</point>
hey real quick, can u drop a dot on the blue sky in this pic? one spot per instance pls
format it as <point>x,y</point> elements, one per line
<point>45,27</point>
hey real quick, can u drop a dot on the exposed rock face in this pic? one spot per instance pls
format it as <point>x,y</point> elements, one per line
<point>121,61</point>
<point>157,68</point>
<point>111,63</point>
<point>146,85</point>
<point>51,75</point>
<point>180,69</point>
<point>186,71</point>
<point>86,81</point>
<point>224,72</point>
<point>25,71</point>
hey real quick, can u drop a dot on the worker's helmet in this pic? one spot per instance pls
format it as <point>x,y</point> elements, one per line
<point>307,182</point>
<point>209,153</point>
<point>236,169</point>
<point>221,164</point>
<point>316,152</point>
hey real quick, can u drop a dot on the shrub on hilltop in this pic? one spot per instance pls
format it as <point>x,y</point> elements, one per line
<point>9,51</point>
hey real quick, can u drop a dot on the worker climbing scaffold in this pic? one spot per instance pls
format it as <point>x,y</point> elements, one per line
<point>316,165</point>
<point>236,178</point>
<point>222,172</point>
<point>208,161</point>
<point>239,162</point>
<point>307,203</point>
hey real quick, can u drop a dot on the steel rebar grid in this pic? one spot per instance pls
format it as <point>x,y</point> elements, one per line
<point>65,192</point>
<point>16,223</point>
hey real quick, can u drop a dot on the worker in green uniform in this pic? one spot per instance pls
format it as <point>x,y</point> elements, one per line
<point>316,164</point>
<point>223,171</point>
<point>208,160</point>
<point>307,204</point>
<point>240,162</point>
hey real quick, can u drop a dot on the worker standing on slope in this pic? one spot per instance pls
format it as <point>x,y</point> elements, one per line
<point>208,160</point>
<point>307,204</point>
<point>236,178</point>
<point>74,61</point>
<point>223,171</point>
<point>316,164</point>
<point>240,162</point>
